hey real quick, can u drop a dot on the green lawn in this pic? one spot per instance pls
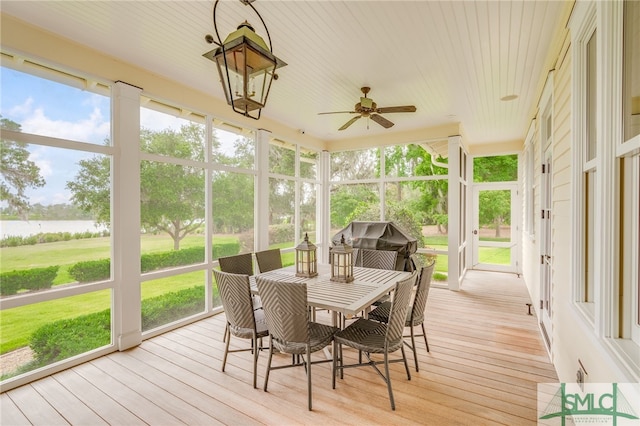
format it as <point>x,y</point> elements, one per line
<point>19,323</point>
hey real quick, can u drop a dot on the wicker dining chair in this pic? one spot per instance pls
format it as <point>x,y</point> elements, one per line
<point>378,259</point>
<point>291,331</point>
<point>373,337</point>
<point>415,315</point>
<point>357,258</point>
<point>243,321</point>
<point>237,264</point>
<point>268,260</point>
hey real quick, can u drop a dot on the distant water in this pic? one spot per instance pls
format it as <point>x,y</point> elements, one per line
<point>22,228</point>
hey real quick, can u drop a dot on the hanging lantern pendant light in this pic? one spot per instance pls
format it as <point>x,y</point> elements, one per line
<point>246,66</point>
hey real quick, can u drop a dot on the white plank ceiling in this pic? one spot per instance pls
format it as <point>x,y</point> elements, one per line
<point>453,60</point>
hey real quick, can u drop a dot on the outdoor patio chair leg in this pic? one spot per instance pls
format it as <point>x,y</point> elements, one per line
<point>406,364</point>
<point>266,376</point>
<point>256,352</point>
<point>226,351</point>
<point>413,348</point>
<point>388,380</point>
<point>308,369</point>
<point>424,333</point>
<point>334,369</point>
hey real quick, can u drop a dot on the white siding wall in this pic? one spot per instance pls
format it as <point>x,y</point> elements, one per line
<point>570,338</point>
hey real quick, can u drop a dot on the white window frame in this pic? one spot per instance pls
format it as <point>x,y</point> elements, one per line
<point>625,328</point>
<point>583,25</point>
<point>529,183</point>
<point>612,242</point>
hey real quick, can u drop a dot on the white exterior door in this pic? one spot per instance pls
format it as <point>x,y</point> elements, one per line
<point>495,233</point>
<point>545,246</point>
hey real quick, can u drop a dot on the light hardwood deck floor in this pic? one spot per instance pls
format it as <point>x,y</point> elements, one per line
<point>486,359</point>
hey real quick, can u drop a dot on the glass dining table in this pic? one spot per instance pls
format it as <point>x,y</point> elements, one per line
<point>347,299</point>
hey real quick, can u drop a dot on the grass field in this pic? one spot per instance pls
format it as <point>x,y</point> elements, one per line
<point>18,323</point>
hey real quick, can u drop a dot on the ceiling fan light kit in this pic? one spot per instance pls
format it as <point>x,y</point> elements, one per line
<point>369,109</point>
<point>246,65</point>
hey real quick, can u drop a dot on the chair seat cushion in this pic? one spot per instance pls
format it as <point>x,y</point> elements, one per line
<point>381,313</point>
<point>320,335</point>
<point>247,333</point>
<point>367,336</point>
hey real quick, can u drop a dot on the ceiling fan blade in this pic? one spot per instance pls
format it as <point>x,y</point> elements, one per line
<point>349,123</point>
<point>405,108</point>
<point>381,120</point>
<point>338,112</point>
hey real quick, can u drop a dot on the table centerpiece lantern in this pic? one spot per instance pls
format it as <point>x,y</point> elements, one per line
<point>306,259</point>
<point>341,257</point>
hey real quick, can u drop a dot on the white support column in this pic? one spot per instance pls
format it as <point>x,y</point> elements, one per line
<point>262,190</point>
<point>125,215</point>
<point>323,208</point>
<point>454,214</point>
<point>208,212</point>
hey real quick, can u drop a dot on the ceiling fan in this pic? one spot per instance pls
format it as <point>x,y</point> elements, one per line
<point>369,109</point>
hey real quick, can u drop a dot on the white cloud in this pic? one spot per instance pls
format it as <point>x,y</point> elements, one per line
<point>92,129</point>
<point>154,120</point>
<point>22,110</point>
<point>45,166</point>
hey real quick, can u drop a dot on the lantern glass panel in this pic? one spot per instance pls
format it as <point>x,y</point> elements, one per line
<point>249,74</point>
<point>306,260</point>
<point>341,266</point>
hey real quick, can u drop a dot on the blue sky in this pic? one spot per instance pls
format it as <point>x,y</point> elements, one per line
<point>48,108</point>
<point>52,109</point>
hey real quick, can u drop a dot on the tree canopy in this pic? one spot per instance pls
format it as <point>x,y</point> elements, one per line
<point>411,204</point>
<point>17,172</point>
<point>495,205</point>
<point>171,195</point>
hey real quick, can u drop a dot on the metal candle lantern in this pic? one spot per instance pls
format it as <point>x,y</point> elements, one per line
<point>342,262</point>
<point>306,259</point>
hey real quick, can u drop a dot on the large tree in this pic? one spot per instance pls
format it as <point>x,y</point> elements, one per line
<point>171,195</point>
<point>17,172</point>
<point>233,191</point>
<point>495,206</point>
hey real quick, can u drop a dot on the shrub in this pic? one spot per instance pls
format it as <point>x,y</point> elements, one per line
<point>169,307</point>
<point>11,241</point>
<point>149,262</point>
<point>439,276</point>
<point>66,338</point>
<point>281,233</point>
<point>29,279</point>
<point>227,249</point>
<point>49,237</point>
<point>91,270</point>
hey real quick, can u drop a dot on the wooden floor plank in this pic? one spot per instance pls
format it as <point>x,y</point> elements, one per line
<point>165,373</point>
<point>10,414</point>
<point>485,361</point>
<point>66,403</point>
<point>36,409</point>
<point>140,404</point>
<point>95,397</point>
